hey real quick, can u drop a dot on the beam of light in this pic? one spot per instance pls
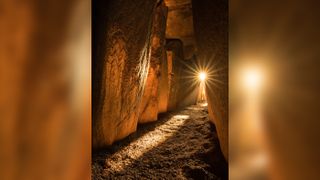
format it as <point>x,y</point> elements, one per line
<point>208,70</point>
<point>202,92</point>
<point>204,74</point>
<point>145,143</point>
<point>249,81</point>
<point>181,116</point>
<point>205,104</point>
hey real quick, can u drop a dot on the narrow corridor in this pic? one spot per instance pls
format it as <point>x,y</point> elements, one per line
<point>180,145</point>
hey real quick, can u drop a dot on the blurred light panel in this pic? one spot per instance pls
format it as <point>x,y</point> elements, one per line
<point>253,79</point>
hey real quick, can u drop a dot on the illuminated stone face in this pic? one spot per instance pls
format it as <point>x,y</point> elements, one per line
<point>120,71</point>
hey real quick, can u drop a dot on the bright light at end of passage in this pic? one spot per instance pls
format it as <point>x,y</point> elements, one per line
<point>202,76</point>
<point>253,79</point>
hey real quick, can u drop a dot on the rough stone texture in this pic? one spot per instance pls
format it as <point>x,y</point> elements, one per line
<point>211,32</point>
<point>121,52</point>
<point>180,145</point>
<point>45,89</point>
<point>180,24</point>
<point>149,104</point>
<point>170,75</point>
<point>175,60</point>
<point>182,90</point>
<point>163,84</point>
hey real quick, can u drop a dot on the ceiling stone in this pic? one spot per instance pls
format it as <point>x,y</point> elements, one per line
<point>180,24</point>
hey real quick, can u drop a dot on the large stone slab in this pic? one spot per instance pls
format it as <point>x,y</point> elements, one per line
<point>121,56</point>
<point>163,84</point>
<point>175,62</point>
<point>149,105</point>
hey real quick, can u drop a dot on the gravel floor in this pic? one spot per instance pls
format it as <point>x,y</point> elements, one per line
<point>180,145</point>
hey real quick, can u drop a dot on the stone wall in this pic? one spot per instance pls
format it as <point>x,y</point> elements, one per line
<point>164,84</point>
<point>175,59</point>
<point>150,100</point>
<point>121,56</point>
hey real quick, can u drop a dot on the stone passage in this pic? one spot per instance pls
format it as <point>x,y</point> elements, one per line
<point>180,145</point>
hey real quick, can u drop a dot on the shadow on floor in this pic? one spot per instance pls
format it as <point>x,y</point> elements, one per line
<point>179,145</point>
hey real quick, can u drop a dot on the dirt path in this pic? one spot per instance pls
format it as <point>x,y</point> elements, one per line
<point>180,145</point>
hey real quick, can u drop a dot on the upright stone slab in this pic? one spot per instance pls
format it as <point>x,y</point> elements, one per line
<point>149,105</point>
<point>163,85</point>
<point>121,55</point>
<point>175,61</point>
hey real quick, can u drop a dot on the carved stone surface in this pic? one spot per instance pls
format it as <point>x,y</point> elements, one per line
<point>121,49</point>
<point>149,105</point>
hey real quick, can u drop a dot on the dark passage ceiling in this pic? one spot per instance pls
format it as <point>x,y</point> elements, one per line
<point>180,24</point>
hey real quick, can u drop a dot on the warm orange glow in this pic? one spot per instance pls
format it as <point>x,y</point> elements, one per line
<point>250,80</point>
<point>202,76</point>
<point>253,79</point>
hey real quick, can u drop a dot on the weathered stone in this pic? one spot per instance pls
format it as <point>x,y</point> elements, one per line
<point>180,24</point>
<point>121,49</point>
<point>175,59</point>
<point>170,75</point>
<point>149,105</point>
<point>182,89</point>
<point>163,84</point>
<point>211,32</point>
